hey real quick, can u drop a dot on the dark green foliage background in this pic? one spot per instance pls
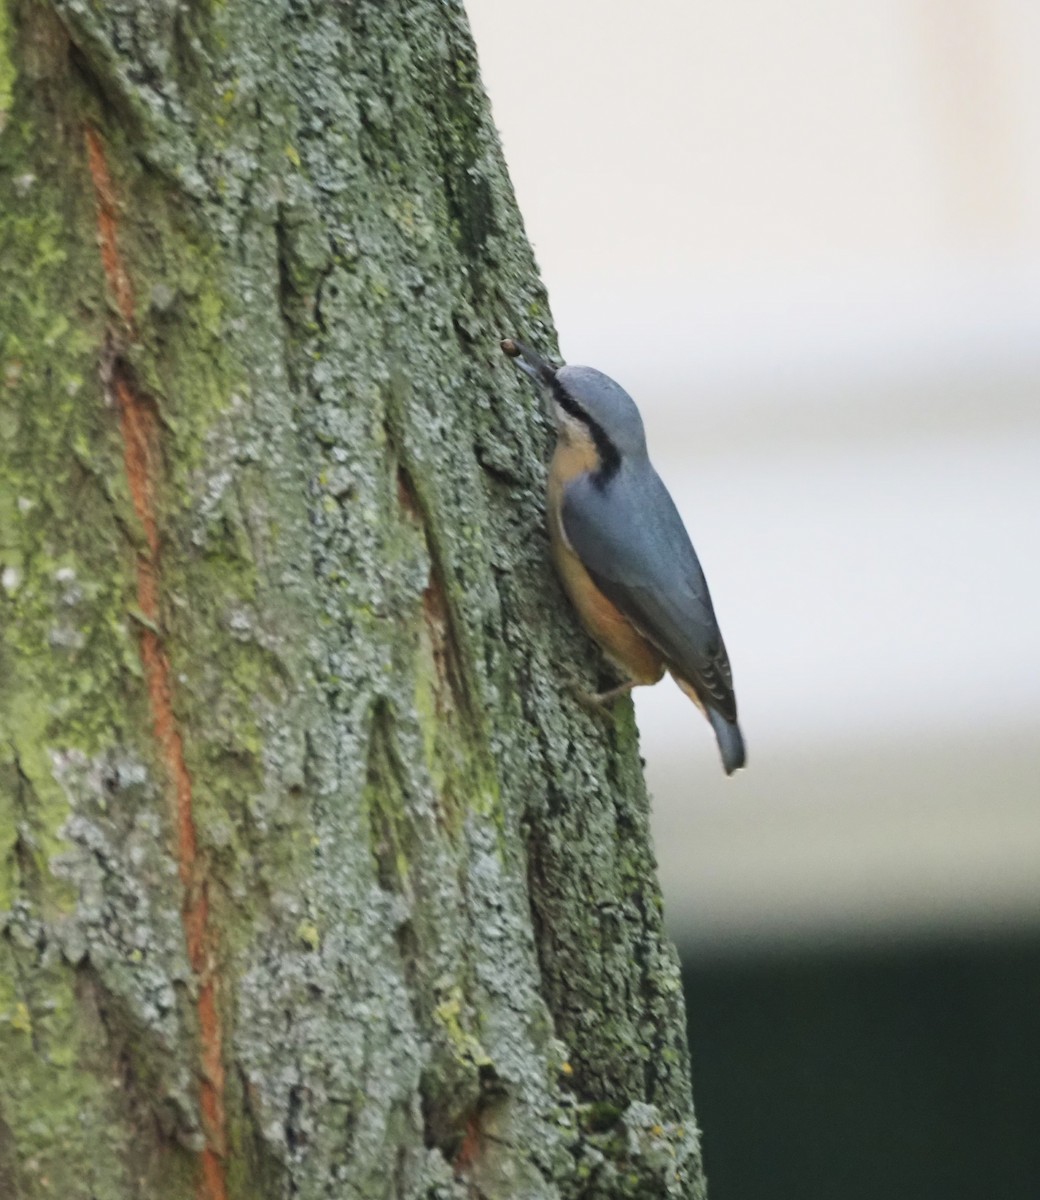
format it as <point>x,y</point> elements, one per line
<point>910,1072</point>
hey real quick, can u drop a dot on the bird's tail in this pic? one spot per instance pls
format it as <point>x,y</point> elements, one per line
<point>731,741</point>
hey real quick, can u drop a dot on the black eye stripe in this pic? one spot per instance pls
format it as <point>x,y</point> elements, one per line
<point>567,402</point>
<point>609,457</point>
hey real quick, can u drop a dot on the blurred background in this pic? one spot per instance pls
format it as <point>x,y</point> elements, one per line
<point>806,237</point>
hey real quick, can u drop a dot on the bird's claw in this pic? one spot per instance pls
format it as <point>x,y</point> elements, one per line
<point>597,703</point>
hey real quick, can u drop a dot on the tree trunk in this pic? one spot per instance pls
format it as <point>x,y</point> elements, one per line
<point>315,882</point>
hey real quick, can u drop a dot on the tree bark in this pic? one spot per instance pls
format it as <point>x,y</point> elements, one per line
<point>314,880</point>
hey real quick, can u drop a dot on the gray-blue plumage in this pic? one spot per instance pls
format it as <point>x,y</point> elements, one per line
<point>607,402</point>
<point>625,528</point>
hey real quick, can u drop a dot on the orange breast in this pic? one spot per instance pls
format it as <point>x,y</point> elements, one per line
<point>619,639</point>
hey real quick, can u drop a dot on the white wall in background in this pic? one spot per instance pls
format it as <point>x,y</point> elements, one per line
<point>806,237</point>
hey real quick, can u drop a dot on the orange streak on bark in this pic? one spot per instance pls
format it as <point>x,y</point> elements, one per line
<point>139,425</point>
<point>108,216</point>
<point>471,1146</point>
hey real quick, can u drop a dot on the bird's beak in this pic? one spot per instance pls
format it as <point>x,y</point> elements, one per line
<point>529,362</point>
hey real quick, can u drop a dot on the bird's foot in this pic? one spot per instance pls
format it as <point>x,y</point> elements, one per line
<point>597,702</point>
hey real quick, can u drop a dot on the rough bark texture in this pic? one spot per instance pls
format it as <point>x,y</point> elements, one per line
<point>313,880</point>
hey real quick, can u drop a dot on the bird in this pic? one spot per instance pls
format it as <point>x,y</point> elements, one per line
<point>622,552</point>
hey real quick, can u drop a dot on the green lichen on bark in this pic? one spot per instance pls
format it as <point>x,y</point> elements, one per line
<point>436,929</point>
<point>7,69</point>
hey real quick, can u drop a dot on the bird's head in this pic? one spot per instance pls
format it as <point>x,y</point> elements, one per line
<point>587,404</point>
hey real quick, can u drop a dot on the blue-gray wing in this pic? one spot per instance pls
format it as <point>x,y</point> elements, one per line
<point>631,539</point>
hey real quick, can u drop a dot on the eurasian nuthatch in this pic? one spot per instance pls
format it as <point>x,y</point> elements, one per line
<point>622,552</point>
